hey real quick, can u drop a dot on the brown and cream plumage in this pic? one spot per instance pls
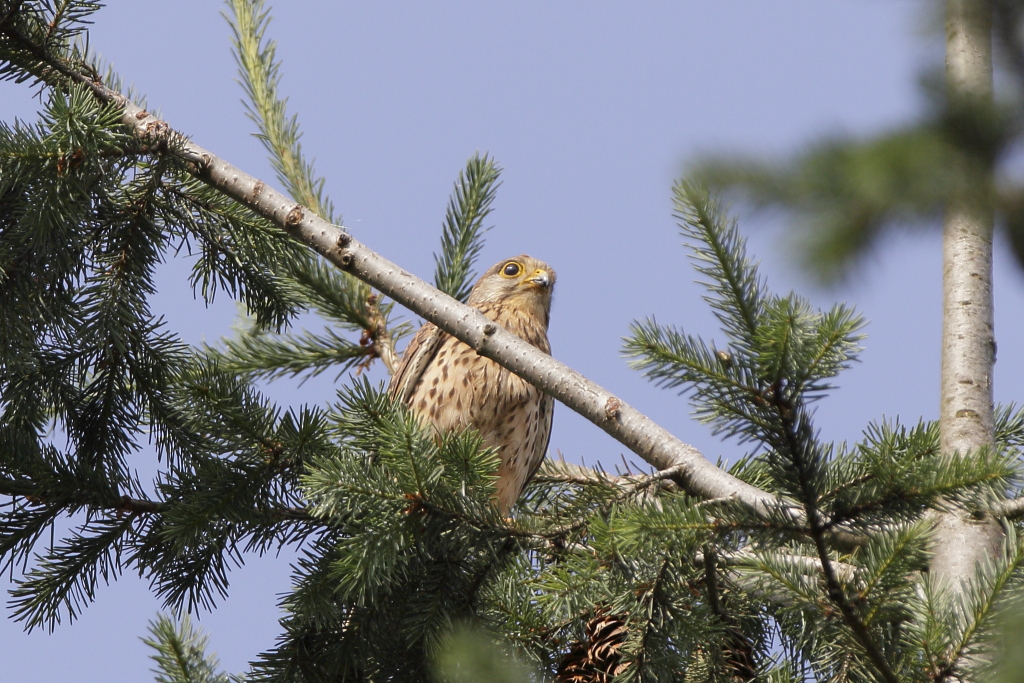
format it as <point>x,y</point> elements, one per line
<point>450,386</point>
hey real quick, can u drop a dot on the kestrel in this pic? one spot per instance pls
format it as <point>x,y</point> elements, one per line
<point>448,385</point>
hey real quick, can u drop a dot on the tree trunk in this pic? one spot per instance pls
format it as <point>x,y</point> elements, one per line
<point>968,343</point>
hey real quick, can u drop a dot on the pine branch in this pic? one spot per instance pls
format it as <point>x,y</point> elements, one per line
<point>798,463</point>
<point>777,345</point>
<point>418,537</point>
<point>260,77</point>
<point>181,653</point>
<point>39,34</point>
<point>846,191</point>
<point>719,252</point>
<point>271,356</point>
<point>804,564</point>
<point>896,473</point>
<point>259,72</point>
<point>835,589</point>
<point>886,563</point>
<point>69,572</point>
<point>462,237</point>
<point>997,581</point>
<point>559,471</point>
<point>727,394</point>
<point>624,423</point>
<point>739,651</point>
<point>239,255</point>
<point>838,595</point>
<point>1009,435</point>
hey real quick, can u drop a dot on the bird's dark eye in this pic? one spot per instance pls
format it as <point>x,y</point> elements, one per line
<point>511,269</point>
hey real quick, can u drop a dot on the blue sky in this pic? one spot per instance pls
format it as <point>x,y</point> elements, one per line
<point>593,109</point>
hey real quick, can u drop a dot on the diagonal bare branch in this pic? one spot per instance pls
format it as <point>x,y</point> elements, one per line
<point>634,430</point>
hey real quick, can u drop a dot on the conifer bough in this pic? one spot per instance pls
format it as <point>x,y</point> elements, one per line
<point>636,431</point>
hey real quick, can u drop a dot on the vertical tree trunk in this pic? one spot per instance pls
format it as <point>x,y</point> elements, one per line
<point>968,343</point>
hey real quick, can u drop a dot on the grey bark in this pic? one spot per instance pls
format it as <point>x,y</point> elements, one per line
<point>968,342</point>
<point>1009,509</point>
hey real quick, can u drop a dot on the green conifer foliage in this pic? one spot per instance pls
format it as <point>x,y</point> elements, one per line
<point>406,567</point>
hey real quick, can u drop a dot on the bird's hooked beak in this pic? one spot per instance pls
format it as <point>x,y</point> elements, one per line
<point>541,278</point>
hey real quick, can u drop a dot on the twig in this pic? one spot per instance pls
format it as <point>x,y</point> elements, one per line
<point>1008,509</point>
<point>804,563</point>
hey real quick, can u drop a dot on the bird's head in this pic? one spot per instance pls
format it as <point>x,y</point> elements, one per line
<point>520,281</point>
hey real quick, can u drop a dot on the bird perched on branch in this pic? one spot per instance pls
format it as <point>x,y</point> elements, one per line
<point>447,384</point>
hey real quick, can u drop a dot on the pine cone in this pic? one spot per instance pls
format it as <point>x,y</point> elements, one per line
<point>596,659</point>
